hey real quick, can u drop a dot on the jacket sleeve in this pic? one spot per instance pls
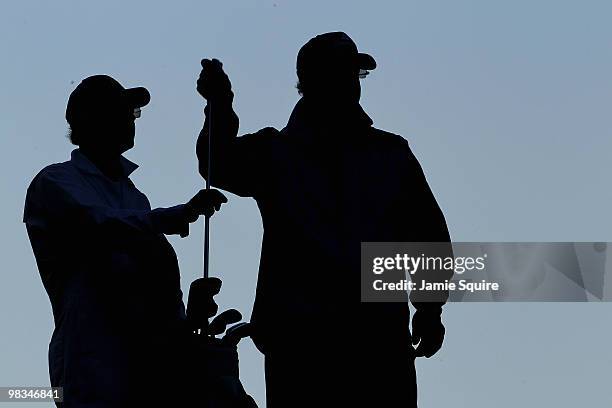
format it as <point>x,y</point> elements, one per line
<point>424,222</point>
<point>57,198</point>
<point>237,163</point>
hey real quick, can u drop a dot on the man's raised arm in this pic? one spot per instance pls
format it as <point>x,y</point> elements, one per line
<point>236,163</point>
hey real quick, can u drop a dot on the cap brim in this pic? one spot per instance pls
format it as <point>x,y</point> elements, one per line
<point>137,97</point>
<point>366,61</point>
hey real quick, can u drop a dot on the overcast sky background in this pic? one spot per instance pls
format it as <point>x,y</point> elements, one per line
<point>506,104</point>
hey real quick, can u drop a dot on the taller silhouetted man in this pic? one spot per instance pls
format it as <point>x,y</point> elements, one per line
<point>325,183</point>
<point>110,273</point>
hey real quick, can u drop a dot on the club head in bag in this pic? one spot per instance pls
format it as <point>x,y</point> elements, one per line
<point>234,334</point>
<point>219,323</point>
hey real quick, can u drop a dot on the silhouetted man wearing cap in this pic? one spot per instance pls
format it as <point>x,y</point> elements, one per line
<point>110,273</point>
<point>325,183</point>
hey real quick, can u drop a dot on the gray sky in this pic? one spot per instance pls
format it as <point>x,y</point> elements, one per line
<point>506,104</point>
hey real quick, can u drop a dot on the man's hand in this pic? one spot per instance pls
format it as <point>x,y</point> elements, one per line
<point>213,83</point>
<point>205,202</point>
<point>428,332</point>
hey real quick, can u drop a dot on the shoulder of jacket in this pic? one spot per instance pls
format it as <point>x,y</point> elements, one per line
<point>260,136</point>
<point>392,140</point>
<point>268,132</point>
<point>56,170</point>
<point>43,178</point>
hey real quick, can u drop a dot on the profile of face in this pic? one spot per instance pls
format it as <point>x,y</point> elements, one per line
<point>122,128</point>
<point>113,131</point>
<point>338,84</point>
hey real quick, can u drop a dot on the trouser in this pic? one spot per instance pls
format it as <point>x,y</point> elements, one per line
<point>313,377</point>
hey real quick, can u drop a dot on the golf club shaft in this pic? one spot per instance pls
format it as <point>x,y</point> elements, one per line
<point>207,218</point>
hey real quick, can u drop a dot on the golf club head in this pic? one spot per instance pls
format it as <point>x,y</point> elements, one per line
<point>234,334</point>
<point>219,323</point>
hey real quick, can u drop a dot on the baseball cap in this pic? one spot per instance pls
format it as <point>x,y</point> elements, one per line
<point>102,93</point>
<point>329,47</point>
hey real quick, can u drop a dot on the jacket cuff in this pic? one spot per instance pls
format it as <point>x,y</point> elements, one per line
<point>170,220</point>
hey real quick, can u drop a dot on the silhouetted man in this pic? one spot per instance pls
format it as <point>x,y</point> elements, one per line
<point>325,183</point>
<point>110,273</point>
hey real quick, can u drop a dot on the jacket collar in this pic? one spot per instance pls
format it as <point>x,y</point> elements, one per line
<point>80,161</point>
<point>305,117</point>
